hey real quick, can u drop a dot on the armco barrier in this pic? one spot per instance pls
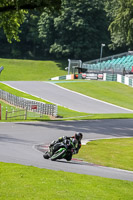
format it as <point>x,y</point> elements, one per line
<point>65,77</point>
<point>119,78</point>
<point>111,77</point>
<point>106,77</point>
<point>48,109</point>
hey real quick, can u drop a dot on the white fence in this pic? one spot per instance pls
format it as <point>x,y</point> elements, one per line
<point>125,80</point>
<point>47,109</point>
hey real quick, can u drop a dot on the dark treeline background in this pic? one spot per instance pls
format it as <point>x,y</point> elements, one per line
<point>77,32</point>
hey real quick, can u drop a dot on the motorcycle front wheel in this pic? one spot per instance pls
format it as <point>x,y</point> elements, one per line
<point>46,155</point>
<point>58,155</point>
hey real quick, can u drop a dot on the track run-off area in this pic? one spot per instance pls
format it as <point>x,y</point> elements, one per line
<point>18,141</point>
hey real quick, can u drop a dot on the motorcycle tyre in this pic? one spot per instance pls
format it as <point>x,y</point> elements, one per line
<point>58,156</point>
<point>68,157</point>
<point>46,155</point>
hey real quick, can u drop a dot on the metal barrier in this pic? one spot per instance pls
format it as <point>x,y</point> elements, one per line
<point>0,112</point>
<point>47,109</point>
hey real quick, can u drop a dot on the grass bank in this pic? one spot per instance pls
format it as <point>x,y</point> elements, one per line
<point>31,70</point>
<point>115,153</point>
<point>26,183</point>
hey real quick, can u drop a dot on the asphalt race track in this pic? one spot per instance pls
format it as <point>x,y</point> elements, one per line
<point>18,142</point>
<point>53,93</point>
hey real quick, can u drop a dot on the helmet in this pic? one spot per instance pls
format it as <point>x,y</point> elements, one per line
<point>78,136</point>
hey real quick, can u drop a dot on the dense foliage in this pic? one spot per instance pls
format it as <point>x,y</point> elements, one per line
<point>76,31</point>
<point>121,26</point>
<point>12,13</point>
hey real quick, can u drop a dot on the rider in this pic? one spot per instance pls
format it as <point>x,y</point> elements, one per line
<point>76,140</point>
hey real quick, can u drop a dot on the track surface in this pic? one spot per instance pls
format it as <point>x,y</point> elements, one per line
<point>67,98</point>
<point>18,141</point>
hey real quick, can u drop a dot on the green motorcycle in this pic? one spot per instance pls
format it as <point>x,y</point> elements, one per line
<point>60,150</point>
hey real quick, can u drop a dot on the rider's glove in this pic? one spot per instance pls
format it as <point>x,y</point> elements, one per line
<point>52,143</point>
<point>64,137</point>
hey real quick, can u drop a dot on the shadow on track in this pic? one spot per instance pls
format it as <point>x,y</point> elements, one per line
<point>5,138</point>
<point>113,127</point>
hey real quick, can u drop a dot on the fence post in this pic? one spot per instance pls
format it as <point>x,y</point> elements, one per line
<point>0,111</point>
<point>6,113</point>
<point>26,113</point>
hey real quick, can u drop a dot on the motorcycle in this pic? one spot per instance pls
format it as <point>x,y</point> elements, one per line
<point>60,150</point>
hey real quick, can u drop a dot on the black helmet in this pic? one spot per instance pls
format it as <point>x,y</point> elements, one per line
<point>78,136</point>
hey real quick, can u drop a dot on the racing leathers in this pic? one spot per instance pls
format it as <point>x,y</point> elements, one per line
<point>76,143</point>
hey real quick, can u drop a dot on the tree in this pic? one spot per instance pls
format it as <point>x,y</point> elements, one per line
<point>77,32</point>
<point>121,26</point>
<point>13,5</point>
<point>12,13</point>
<point>30,45</point>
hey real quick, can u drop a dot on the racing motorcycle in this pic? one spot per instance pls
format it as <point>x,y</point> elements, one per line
<point>60,150</point>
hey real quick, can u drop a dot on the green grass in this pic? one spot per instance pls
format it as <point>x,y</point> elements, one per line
<point>18,182</point>
<point>30,70</point>
<point>117,153</point>
<point>112,92</point>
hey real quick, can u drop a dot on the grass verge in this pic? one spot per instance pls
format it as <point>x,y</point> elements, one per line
<point>31,70</point>
<point>115,153</point>
<point>26,183</point>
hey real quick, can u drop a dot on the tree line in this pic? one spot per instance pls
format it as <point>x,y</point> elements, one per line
<point>61,29</point>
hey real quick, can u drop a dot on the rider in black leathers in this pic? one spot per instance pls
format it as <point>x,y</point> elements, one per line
<point>76,140</point>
